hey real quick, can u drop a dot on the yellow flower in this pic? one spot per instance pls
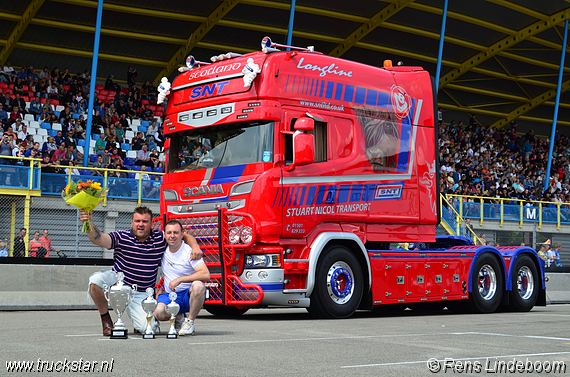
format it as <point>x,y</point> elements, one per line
<point>67,190</point>
<point>96,185</point>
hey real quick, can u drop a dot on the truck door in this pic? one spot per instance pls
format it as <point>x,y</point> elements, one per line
<point>308,192</point>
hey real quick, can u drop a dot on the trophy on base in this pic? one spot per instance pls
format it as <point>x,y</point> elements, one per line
<point>172,308</point>
<point>119,296</point>
<point>149,305</point>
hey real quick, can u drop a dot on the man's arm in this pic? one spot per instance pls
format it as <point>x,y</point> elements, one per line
<point>196,253</point>
<point>202,274</point>
<point>95,235</point>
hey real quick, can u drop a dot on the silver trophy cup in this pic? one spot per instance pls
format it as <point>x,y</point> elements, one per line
<point>172,308</point>
<point>119,296</point>
<point>149,305</point>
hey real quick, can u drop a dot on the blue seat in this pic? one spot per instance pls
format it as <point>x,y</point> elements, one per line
<point>136,167</point>
<point>37,118</point>
<point>46,126</point>
<point>128,161</point>
<point>95,137</point>
<point>158,170</point>
<point>92,158</point>
<point>57,113</point>
<point>142,129</point>
<point>125,146</point>
<point>132,175</point>
<point>145,123</point>
<point>52,132</point>
<point>76,115</point>
<point>81,142</point>
<point>85,172</point>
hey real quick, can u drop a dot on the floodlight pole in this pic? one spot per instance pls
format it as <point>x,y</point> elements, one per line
<point>557,103</point>
<point>93,83</point>
<point>290,28</point>
<point>440,52</point>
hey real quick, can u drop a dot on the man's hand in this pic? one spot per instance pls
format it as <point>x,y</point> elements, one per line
<point>196,253</point>
<point>174,283</point>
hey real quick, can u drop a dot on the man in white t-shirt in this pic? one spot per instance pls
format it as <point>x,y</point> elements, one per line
<point>184,276</point>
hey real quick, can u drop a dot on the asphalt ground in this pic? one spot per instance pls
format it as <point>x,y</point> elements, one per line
<point>288,342</point>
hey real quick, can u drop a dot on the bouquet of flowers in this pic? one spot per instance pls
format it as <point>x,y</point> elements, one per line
<point>85,196</point>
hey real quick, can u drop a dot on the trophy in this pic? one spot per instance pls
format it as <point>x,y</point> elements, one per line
<point>119,296</point>
<point>149,305</point>
<point>173,308</point>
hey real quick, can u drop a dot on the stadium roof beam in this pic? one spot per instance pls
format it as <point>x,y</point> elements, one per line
<point>529,105</point>
<point>518,8</point>
<point>505,43</point>
<point>375,21</point>
<point>471,110</point>
<point>21,26</point>
<point>196,37</point>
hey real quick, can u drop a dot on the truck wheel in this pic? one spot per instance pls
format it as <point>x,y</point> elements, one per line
<point>487,285</point>
<point>524,281</point>
<point>225,311</point>
<point>338,284</point>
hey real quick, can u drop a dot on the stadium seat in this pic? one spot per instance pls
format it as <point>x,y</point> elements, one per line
<point>95,137</point>
<point>132,154</point>
<point>143,129</point>
<point>52,132</point>
<point>85,172</point>
<point>132,175</point>
<point>43,100</point>
<point>76,115</point>
<point>129,135</point>
<point>39,139</point>
<point>67,87</point>
<point>34,124</point>
<point>81,142</point>
<point>103,92</point>
<point>136,168</point>
<point>145,123</point>
<point>80,149</point>
<point>136,122</point>
<point>128,161</point>
<point>92,144</point>
<point>153,108</point>
<point>42,131</point>
<point>99,87</point>
<point>55,102</point>
<point>46,126</point>
<point>92,158</point>
<point>57,113</point>
<point>112,93</point>
<point>158,170</point>
<point>37,118</point>
<point>3,85</point>
<point>125,146</point>
<point>29,117</point>
<point>145,102</point>
<point>32,131</point>
<point>27,100</point>
<point>59,108</point>
<point>125,90</point>
<point>56,126</point>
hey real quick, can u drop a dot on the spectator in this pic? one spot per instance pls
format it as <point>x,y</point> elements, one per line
<point>72,168</point>
<point>47,243</point>
<point>106,159</point>
<point>143,157</point>
<point>150,190</point>
<point>35,149</point>
<point>99,165</point>
<point>100,145</point>
<point>59,139</point>
<point>4,116</point>
<point>36,247</point>
<point>59,154</point>
<point>110,85</point>
<point>52,91</point>
<point>19,102</point>
<point>49,146</point>
<point>36,106</point>
<point>4,247</point>
<point>131,76</point>
<point>22,129</point>
<point>20,244</point>
<point>70,139</point>
<point>143,174</point>
<point>9,72</point>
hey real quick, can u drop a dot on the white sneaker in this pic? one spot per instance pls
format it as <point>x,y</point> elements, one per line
<point>187,327</point>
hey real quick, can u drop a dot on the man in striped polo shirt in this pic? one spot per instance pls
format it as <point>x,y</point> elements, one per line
<point>138,253</point>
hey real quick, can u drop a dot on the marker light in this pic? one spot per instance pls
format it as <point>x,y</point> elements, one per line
<point>387,63</point>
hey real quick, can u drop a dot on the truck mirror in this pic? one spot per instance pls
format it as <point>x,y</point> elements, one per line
<point>303,149</point>
<point>304,124</point>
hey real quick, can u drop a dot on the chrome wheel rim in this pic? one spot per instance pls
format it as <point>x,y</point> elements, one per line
<point>487,282</point>
<point>340,282</point>
<point>525,282</point>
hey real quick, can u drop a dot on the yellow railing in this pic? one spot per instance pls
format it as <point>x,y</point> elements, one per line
<point>459,219</point>
<point>503,201</point>
<point>35,162</point>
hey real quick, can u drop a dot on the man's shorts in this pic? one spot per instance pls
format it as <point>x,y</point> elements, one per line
<point>182,299</point>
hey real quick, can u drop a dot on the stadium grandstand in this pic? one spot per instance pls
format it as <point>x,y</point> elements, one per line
<point>497,66</point>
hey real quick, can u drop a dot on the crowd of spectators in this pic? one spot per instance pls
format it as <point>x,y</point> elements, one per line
<point>115,109</point>
<point>500,163</point>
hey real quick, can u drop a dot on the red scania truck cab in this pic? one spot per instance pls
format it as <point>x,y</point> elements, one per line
<point>297,171</point>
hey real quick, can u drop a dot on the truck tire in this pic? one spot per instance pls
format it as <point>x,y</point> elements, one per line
<point>224,311</point>
<point>524,291</point>
<point>487,285</point>
<point>338,284</point>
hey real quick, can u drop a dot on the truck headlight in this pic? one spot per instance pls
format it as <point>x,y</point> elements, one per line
<point>246,235</point>
<point>262,260</point>
<point>234,235</point>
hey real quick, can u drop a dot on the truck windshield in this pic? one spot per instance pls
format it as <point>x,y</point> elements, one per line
<point>221,145</point>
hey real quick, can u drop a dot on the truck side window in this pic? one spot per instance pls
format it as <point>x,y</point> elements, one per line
<point>320,134</point>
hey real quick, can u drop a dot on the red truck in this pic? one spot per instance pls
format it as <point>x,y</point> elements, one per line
<point>297,171</point>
